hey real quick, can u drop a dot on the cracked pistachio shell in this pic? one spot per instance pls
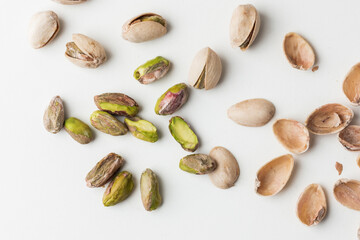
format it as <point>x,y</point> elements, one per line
<point>347,192</point>
<point>252,112</point>
<point>144,27</point>
<point>197,164</point>
<point>227,171</point>
<point>104,170</point>
<point>298,51</point>
<point>311,206</point>
<point>244,26</point>
<point>118,189</point>
<point>329,118</point>
<point>44,26</point>
<point>107,123</point>
<point>54,115</point>
<point>183,134</point>
<point>205,70</point>
<point>172,100</point>
<point>351,85</point>
<point>70,2</point>
<point>150,192</point>
<point>85,52</point>
<point>349,137</point>
<point>273,176</point>
<point>117,104</point>
<point>293,135</point>
<point>78,130</point>
<point>152,70</point>
<point>142,129</point>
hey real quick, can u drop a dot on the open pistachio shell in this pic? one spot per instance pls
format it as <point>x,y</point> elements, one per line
<point>244,26</point>
<point>349,137</point>
<point>292,135</point>
<point>351,85</point>
<point>273,176</point>
<point>329,118</point>
<point>298,51</point>
<point>311,206</point>
<point>347,192</point>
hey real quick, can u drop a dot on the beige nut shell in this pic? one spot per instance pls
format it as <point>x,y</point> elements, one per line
<point>347,192</point>
<point>351,85</point>
<point>349,137</point>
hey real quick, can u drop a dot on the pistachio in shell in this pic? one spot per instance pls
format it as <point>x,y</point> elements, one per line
<point>244,26</point>
<point>107,123</point>
<point>78,130</point>
<point>293,135</point>
<point>347,192</point>
<point>205,70</point>
<point>70,2</point>
<point>152,70</point>
<point>311,206</point>
<point>54,115</point>
<point>85,52</point>
<point>172,100</point>
<point>183,134</point>
<point>149,189</point>
<point>118,189</point>
<point>144,27</point>
<point>197,164</point>
<point>349,137</point>
<point>117,104</point>
<point>329,118</point>
<point>273,176</point>
<point>351,85</point>
<point>142,129</point>
<point>252,112</point>
<point>298,51</point>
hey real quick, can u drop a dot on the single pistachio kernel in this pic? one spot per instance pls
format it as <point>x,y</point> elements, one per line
<point>117,104</point>
<point>183,134</point>
<point>142,129</point>
<point>197,164</point>
<point>54,115</point>
<point>107,123</point>
<point>78,130</point>
<point>149,188</point>
<point>172,99</point>
<point>118,189</point>
<point>152,70</point>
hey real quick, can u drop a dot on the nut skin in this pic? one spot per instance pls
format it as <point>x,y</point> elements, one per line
<point>117,104</point>
<point>118,189</point>
<point>188,140</point>
<point>70,2</point>
<point>140,129</point>
<point>172,100</point>
<point>152,70</point>
<point>54,115</point>
<point>107,123</point>
<point>197,164</point>
<point>104,170</point>
<point>149,188</point>
<point>78,130</point>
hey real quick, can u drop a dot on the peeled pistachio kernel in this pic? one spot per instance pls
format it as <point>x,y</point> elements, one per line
<point>172,99</point>
<point>183,134</point>
<point>117,104</point>
<point>150,192</point>
<point>107,123</point>
<point>142,129</point>
<point>118,189</point>
<point>78,130</point>
<point>70,2</point>
<point>104,170</point>
<point>197,164</point>
<point>347,192</point>
<point>54,115</point>
<point>351,85</point>
<point>152,70</point>
<point>349,137</point>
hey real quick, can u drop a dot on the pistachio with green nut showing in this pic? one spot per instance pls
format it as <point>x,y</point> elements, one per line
<point>183,134</point>
<point>117,104</point>
<point>150,192</point>
<point>142,129</point>
<point>197,164</point>
<point>152,70</point>
<point>54,115</point>
<point>107,123</point>
<point>118,189</point>
<point>172,100</point>
<point>78,130</point>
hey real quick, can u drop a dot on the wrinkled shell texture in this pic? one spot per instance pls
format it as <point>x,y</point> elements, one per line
<point>347,192</point>
<point>350,137</point>
<point>70,2</point>
<point>54,115</point>
<point>351,85</point>
<point>43,27</point>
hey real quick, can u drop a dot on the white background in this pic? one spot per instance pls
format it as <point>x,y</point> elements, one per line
<point>43,192</point>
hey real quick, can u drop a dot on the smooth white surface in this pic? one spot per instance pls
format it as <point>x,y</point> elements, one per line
<point>43,192</point>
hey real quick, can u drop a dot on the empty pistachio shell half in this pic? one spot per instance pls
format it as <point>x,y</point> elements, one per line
<point>117,104</point>
<point>298,51</point>
<point>311,206</point>
<point>197,164</point>
<point>292,135</point>
<point>144,27</point>
<point>152,70</point>
<point>205,70</point>
<point>85,52</point>
<point>347,192</point>
<point>244,26</point>
<point>329,118</point>
<point>107,123</point>
<point>183,134</point>
<point>150,192</point>
<point>252,112</point>
<point>118,189</point>
<point>54,115</point>
<point>273,176</point>
<point>142,129</point>
<point>44,26</point>
<point>172,100</point>
<point>70,2</point>
<point>349,137</point>
<point>339,167</point>
<point>351,85</point>
<point>78,130</point>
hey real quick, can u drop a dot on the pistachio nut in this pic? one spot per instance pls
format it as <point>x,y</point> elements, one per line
<point>149,188</point>
<point>339,167</point>
<point>144,27</point>
<point>118,189</point>
<point>104,170</point>
<point>172,99</point>
<point>205,70</point>
<point>54,115</point>
<point>244,26</point>
<point>197,164</point>
<point>107,123</point>
<point>152,70</point>
<point>70,2</point>
<point>347,192</point>
<point>351,85</point>
<point>183,134</point>
<point>349,137</point>
<point>44,26</point>
<point>117,104</point>
<point>85,52</point>
<point>142,129</point>
<point>78,130</point>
